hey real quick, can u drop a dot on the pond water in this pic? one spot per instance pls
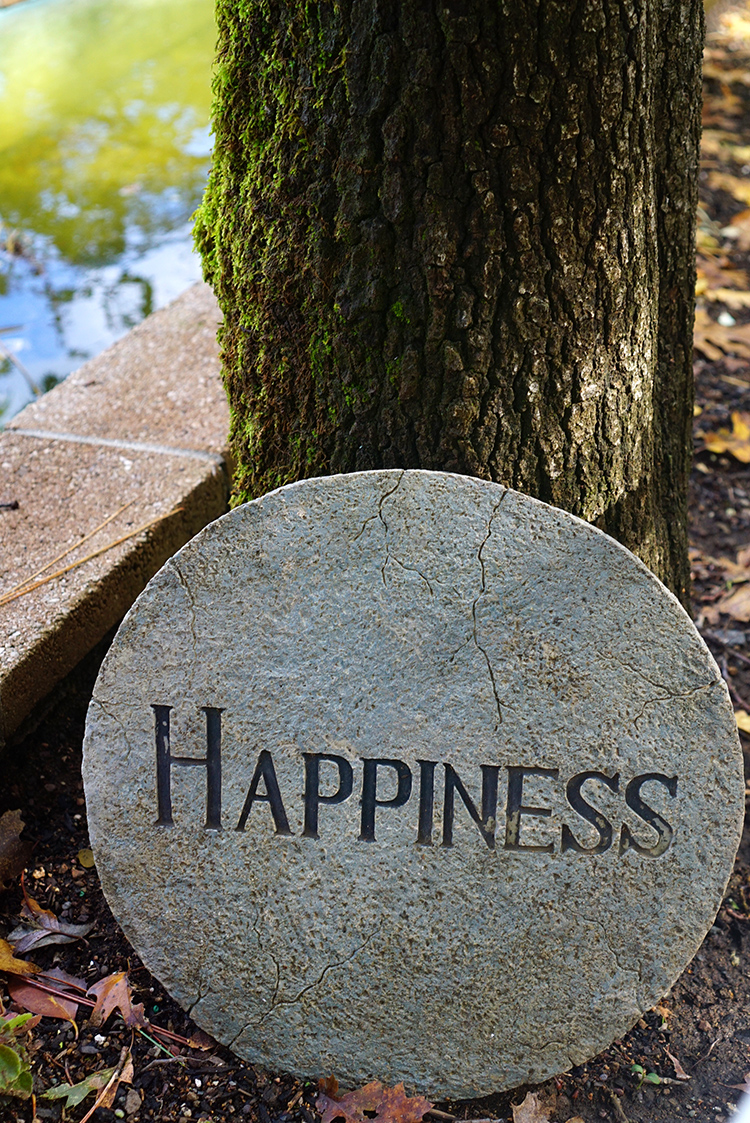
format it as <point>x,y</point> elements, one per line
<point>104,152</point>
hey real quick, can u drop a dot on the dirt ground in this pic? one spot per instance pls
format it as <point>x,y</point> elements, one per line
<point>696,1043</point>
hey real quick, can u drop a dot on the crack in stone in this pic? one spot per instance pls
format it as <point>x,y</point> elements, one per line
<point>640,674</point>
<point>201,995</point>
<point>671,695</point>
<point>483,590</point>
<point>411,569</point>
<point>385,526</point>
<point>117,721</point>
<point>667,693</point>
<point>276,1002</point>
<point>378,514</point>
<point>191,603</point>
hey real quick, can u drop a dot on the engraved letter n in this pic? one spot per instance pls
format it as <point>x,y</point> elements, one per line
<point>211,762</point>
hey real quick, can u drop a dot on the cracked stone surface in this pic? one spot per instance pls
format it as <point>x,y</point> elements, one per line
<point>485,913</point>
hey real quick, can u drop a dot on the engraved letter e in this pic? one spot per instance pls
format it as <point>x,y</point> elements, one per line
<point>211,762</point>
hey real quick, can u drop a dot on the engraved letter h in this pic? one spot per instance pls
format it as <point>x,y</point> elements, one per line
<point>211,762</point>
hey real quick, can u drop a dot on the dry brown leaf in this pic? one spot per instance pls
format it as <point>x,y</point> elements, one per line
<point>723,74</point>
<point>743,720</point>
<point>723,144</point>
<point>29,997</point>
<point>735,604</point>
<point>200,1040</point>
<point>389,1105</point>
<point>718,112</point>
<point>714,340</point>
<point>736,186</point>
<point>739,230</point>
<point>113,993</point>
<point>735,25</point>
<point>14,966</point>
<point>715,141</point>
<point>44,928</point>
<point>736,442</point>
<point>733,298</point>
<point>707,567</point>
<point>14,854</point>
<point>532,1110</point>
<point>123,1074</point>
<point>679,1071</point>
<point>715,271</point>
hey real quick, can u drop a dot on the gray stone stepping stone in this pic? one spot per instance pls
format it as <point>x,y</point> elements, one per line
<point>407,776</point>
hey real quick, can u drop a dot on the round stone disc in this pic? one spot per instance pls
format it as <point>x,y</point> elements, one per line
<point>407,776</point>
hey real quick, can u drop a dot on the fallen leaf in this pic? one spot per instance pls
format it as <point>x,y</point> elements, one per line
<point>731,297</point>
<point>14,854</point>
<point>736,186</point>
<point>726,74</point>
<point>106,1081</point>
<point>44,928</point>
<point>86,859</point>
<point>736,443</point>
<point>735,604</point>
<point>679,1071</point>
<point>372,1104</point>
<point>113,993</point>
<point>17,1024</point>
<point>716,272</point>
<point>714,142</point>
<point>200,1040</point>
<point>735,25</point>
<point>739,230</point>
<point>743,720</point>
<point>714,340</point>
<point>532,1110</point>
<point>37,1001</point>
<point>14,966</point>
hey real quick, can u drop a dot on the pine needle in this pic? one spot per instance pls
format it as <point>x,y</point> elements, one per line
<point>69,550</point>
<point>15,594</point>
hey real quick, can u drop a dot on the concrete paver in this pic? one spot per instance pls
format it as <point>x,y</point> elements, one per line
<point>139,433</point>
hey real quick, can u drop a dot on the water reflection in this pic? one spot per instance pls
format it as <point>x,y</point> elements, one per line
<point>104,151</point>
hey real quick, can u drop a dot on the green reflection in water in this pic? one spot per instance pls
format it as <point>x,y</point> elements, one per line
<point>104,151</point>
<point>103,106</point>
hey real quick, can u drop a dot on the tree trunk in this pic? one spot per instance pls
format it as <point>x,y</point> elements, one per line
<point>459,236</point>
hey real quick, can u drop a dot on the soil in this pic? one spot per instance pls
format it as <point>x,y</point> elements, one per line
<point>696,1042</point>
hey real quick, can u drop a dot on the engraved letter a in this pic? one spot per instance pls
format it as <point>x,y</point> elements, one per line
<point>211,762</point>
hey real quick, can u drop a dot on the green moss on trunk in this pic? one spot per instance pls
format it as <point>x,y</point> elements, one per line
<point>434,231</point>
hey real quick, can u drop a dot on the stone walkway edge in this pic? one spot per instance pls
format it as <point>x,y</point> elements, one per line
<point>101,480</point>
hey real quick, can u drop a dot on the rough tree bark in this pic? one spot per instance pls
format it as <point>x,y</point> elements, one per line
<point>459,236</point>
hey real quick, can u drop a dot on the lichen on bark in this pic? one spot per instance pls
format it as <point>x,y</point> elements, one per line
<point>459,237</point>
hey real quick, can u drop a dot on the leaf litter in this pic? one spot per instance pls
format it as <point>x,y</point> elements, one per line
<point>42,927</point>
<point>374,1103</point>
